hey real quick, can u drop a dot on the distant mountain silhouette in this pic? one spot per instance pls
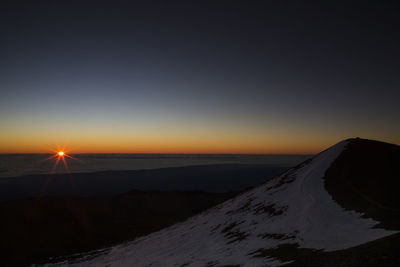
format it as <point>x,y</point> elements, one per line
<point>209,178</point>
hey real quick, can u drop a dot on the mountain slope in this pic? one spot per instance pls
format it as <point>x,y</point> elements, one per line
<point>290,215</point>
<point>366,178</point>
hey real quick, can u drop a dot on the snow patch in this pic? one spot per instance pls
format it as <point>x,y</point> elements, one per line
<point>293,208</point>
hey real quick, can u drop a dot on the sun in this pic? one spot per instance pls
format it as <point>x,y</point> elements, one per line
<point>61,154</point>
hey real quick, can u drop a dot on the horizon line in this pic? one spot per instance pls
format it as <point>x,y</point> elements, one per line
<point>149,153</point>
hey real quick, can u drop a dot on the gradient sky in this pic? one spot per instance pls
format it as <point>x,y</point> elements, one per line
<point>197,76</point>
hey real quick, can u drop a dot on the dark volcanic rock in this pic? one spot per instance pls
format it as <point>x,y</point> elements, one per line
<point>32,230</point>
<point>366,178</point>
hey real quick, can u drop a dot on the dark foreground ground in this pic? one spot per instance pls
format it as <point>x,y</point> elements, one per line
<point>32,230</point>
<point>383,252</point>
<point>46,216</point>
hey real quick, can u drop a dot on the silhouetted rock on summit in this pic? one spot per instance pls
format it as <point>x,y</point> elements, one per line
<point>308,210</point>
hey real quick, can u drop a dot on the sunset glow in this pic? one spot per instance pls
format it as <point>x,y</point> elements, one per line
<point>240,81</point>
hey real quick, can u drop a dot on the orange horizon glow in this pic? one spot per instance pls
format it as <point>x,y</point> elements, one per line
<point>190,150</point>
<point>189,144</point>
<point>175,148</point>
<point>180,135</point>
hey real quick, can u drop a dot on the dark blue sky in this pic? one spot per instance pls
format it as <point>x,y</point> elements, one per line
<point>252,76</point>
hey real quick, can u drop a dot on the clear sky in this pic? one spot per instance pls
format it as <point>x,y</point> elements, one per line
<point>197,76</point>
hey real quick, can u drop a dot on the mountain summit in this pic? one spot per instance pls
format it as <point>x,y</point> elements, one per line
<point>341,198</point>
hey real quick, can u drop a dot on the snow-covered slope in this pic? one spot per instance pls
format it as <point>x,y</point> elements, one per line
<point>293,208</point>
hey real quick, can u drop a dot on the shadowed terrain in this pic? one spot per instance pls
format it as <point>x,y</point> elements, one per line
<point>55,215</point>
<point>32,230</point>
<point>208,178</point>
<point>381,252</point>
<point>366,178</point>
